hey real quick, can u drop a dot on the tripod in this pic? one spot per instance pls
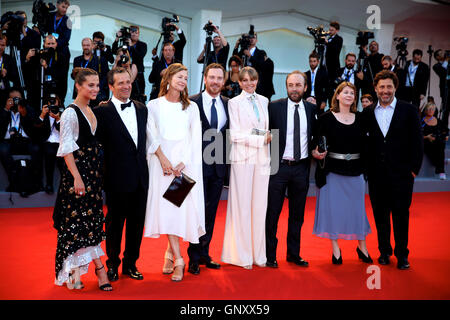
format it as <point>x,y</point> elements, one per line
<point>208,42</point>
<point>16,57</point>
<point>430,53</point>
<point>320,49</point>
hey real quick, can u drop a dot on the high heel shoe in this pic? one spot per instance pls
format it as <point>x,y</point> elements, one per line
<point>178,263</point>
<point>106,286</point>
<point>72,283</point>
<point>363,257</point>
<point>336,261</point>
<point>168,263</point>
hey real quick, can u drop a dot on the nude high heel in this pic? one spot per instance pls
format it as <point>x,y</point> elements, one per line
<point>168,263</point>
<point>179,263</point>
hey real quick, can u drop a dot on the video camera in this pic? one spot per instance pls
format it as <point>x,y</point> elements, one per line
<point>319,34</point>
<point>41,16</point>
<point>401,45</point>
<point>209,28</point>
<point>45,54</point>
<point>125,36</point>
<point>362,39</point>
<point>167,29</point>
<point>14,30</point>
<point>244,41</point>
<point>16,103</point>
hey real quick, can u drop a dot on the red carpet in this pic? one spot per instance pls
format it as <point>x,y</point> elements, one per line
<point>27,249</point>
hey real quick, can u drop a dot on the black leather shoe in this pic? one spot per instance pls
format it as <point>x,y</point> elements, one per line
<point>212,265</point>
<point>194,268</point>
<point>133,273</point>
<point>113,274</point>
<point>403,264</point>
<point>297,260</point>
<point>336,261</point>
<point>272,264</point>
<point>363,257</point>
<point>384,259</point>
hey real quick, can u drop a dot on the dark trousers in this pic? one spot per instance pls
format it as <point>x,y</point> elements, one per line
<point>436,153</point>
<point>129,206</point>
<point>391,194</point>
<point>296,179</point>
<point>212,188</point>
<point>24,147</point>
<point>49,151</point>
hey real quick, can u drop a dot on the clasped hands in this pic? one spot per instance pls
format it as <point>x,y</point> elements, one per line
<point>318,155</point>
<point>167,167</point>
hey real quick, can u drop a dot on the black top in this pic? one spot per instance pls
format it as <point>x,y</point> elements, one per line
<point>221,57</point>
<point>85,135</point>
<point>437,130</point>
<point>342,138</point>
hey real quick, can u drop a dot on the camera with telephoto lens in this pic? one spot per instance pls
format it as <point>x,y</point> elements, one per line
<point>244,41</point>
<point>363,37</point>
<point>319,34</point>
<point>52,107</point>
<point>16,103</point>
<point>125,38</point>
<point>100,45</point>
<point>123,59</point>
<point>167,28</point>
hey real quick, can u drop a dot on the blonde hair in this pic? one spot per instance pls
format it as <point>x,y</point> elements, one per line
<point>252,73</point>
<point>165,81</point>
<point>339,89</point>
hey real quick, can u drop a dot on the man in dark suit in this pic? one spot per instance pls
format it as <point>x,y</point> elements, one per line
<point>266,83</point>
<point>442,70</point>
<point>160,66</point>
<point>317,84</point>
<point>214,117</point>
<point>333,50</point>
<point>122,131</point>
<point>294,119</point>
<point>349,73</point>
<point>394,153</point>
<point>414,80</point>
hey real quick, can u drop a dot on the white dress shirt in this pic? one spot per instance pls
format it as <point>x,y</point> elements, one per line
<point>221,115</point>
<point>384,116</point>
<point>15,122</point>
<point>412,69</point>
<point>289,149</point>
<point>128,116</point>
<point>313,81</point>
<point>54,134</point>
<point>352,75</point>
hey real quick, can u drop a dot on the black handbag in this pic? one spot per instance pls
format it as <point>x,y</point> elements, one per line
<point>179,189</point>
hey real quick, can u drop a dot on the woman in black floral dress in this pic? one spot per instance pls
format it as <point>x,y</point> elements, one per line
<point>78,214</point>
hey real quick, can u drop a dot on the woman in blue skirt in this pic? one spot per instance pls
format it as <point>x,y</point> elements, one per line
<point>340,207</point>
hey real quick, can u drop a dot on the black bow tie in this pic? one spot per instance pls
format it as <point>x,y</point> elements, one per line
<point>125,105</point>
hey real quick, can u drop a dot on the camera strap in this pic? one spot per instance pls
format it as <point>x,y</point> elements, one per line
<point>15,120</point>
<point>56,26</point>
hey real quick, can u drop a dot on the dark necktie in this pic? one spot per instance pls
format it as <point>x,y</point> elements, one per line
<point>297,153</point>
<point>214,120</point>
<point>125,105</point>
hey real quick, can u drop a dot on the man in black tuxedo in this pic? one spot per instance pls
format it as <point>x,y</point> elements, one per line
<point>349,73</point>
<point>394,153</point>
<point>333,50</point>
<point>214,117</point>
<point>317,84</point>
<point>295,119</point>
<point>159,68</point>
<point>414,80</point>
<point>121,130</point>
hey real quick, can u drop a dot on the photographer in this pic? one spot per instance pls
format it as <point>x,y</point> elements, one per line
<point>49,132</point>
<point>60,27</point>
<point>442,70</point>
<point>17,137</point>
<point>159,68</point>
<point>333,50</point>
<point>251,55</point>
<point>137,50</point>
<point>266,83</point>
<point>317,84</point>
<point>100,48</point>
<point>51,61</point>
<point>221,48</point>
<point>231,88</point>
<point>89,60</point>
<point>123,60</point>
<point>350,74</point>
<point>8,71</point>
<point>414,80</point>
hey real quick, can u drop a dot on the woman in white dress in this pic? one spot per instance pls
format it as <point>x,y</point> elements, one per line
<point>244,242</point>
<point>174,139</point>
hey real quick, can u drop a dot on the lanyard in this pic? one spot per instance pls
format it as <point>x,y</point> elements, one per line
<point>426,122</point>
<point>85,66</point>
<point>56,26</point>
<point>15,121</point>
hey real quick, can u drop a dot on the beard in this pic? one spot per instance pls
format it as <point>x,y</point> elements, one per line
<point>295,96</point>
